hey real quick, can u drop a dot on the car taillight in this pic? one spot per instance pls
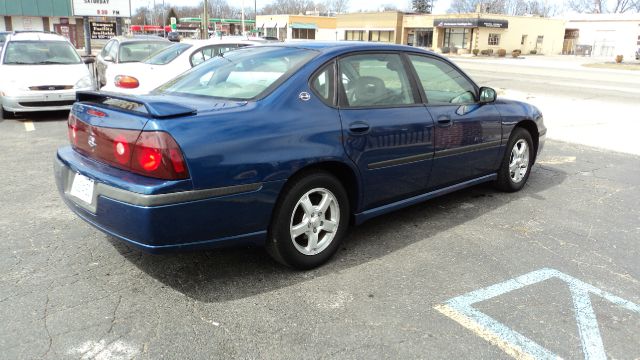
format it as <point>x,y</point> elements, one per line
<point>149,153</point>
<point>72,127</point>
<point>156,154</point>
<point>126,82</point>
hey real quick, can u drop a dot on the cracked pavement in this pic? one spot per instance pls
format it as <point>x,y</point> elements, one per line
<point>70,291</point>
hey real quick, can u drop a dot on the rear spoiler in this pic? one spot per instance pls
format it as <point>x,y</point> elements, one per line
<point>153,108</point>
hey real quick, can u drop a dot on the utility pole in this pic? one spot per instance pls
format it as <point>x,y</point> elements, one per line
<point>242,18</point>
<point>205,20</point>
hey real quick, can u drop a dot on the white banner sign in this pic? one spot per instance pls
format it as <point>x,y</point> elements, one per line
<point>112,8</point>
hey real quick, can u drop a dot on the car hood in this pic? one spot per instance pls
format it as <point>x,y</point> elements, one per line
<point>24,76</point>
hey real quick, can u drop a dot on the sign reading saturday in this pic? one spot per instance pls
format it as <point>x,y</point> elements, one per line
<point>111,8</point>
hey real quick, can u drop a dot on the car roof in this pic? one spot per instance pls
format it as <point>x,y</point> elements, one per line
<point>329,46</point>
<point>139,38</point>
<point>36,36</point>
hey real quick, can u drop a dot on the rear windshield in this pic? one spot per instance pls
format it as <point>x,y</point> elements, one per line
<point>241,74</point>
<point>140,50</point>
<point>167,55</point>
<point>40,53</point>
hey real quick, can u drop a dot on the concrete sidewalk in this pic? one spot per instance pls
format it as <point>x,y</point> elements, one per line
<point>590,122</point>
<point>570,62</point>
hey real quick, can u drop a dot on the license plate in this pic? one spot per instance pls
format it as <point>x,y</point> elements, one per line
<point>82,188</point>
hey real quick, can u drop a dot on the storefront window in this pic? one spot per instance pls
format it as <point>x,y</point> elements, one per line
<point>357,35</point>
<point>424,38</point>
<point>494,39</point>
<point>456,37</point>
<point>380,36</point>
<point>303,34</point>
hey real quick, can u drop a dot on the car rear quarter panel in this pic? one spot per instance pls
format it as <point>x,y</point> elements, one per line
<point>262,141</point>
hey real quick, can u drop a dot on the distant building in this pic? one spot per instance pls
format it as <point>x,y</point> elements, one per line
<point>603,35</point>
<point>456,32</point>
<point>42,15</point>
<point>374,26</point>
<point>297,27</point>
<point>481,31</point>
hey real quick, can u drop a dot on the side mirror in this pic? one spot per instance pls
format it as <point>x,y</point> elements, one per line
<point>89,60</point>
<point>487,95</point>
<point>108,58</point>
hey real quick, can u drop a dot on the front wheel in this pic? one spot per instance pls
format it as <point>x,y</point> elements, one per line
<point>309,221</point>
<point>516,164</point>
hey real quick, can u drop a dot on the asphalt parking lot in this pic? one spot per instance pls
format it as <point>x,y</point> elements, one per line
<point>550,271</point>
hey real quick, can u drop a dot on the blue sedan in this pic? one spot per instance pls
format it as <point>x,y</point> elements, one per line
<point>285,145</point>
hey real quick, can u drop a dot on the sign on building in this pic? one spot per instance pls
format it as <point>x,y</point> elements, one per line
<point>112,8</point>
<point>103,30</point>
<point>471,23</point>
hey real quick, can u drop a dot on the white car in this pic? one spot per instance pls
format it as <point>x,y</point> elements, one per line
<point>145,76</point>
<point>40,72</point>
<point>123,50</point>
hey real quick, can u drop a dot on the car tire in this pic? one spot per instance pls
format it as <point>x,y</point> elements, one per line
<point>517,161</point>
<point>5,115</point>
<point>309,222</point>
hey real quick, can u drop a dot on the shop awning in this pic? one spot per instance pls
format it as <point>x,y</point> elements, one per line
<point>297,25</point>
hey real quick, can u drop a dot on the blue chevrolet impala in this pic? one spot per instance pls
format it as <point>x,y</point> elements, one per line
<point>286,145</point>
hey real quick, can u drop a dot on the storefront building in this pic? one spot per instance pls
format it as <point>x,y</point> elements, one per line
<point>461,33</point>
<point>297,27</point>
<point>42,15</point>
<point>603,35</point>
<point>377,27</point>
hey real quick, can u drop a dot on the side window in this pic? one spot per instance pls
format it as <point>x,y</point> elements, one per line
<point>105,49</point>
<point>197,58</point>
<point>221,49</point>
<point>113,51</point>
<point>209,52</point>
<point>322,84</point>
<point>375,80</point>
<point>442,83</point>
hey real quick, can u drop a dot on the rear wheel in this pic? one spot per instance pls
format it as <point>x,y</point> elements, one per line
<point>309,222</point>
<point>516,164</point>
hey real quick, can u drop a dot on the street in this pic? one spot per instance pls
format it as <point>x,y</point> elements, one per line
<point>551,270</point>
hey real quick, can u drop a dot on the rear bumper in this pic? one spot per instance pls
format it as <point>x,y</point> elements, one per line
<point>171,221</point>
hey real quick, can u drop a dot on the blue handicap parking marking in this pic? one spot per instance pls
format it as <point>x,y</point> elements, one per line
<point>519,346</point>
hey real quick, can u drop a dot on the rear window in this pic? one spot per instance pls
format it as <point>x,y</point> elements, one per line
<point>241,74</point>
<point>40,53</point>
<point>140,50</point>
<point>167,55</point>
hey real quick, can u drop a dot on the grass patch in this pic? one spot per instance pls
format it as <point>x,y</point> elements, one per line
<point>612,65</point>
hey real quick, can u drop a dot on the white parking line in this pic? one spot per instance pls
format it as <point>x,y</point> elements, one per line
<point>460,309</point>
<point>28,125</point>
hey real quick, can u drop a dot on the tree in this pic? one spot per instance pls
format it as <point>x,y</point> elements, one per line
<point>422,6</point>
<point>507,7</point>
<point>601,6</point>
<point>289,7</point>
<point>170,14</point>
<point>336,6</point>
